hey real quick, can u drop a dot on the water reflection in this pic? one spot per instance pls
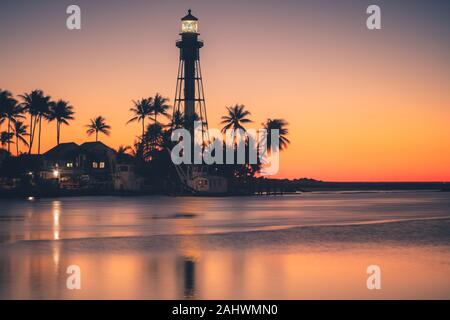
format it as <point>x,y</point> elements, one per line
<point>132,217</point>
<point>295,275</point>
<point>56,213</point>
<point>145,249</point>
<point>189,277</point>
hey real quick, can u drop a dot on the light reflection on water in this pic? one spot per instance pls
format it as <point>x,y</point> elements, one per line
<point>166,248</point>
<point>226,274</point>
<point>143,216</point>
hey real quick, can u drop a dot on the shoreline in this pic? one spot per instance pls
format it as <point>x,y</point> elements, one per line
<point>332,187</point>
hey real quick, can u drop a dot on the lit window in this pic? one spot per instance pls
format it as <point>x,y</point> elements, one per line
<point>94,165</point>
<point>102,165</point>
<point>69,165</point>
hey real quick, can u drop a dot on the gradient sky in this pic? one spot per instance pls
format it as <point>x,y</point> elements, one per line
<point>362,105</point>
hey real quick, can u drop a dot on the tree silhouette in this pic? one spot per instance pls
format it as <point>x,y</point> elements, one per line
<point>280,125</point>
<point>122,152</point>
<point>236,117</point>
<point>142,109</point>
<point>10,111</point>
<point>160,107</point>
<point>153,138</point>
<point>61,112</point>
<point>37,105</point>
<point>5,95</point>
<point>6,139</point>
<point>98,125</point>
<point>177,120</point>
<point>20,131</point>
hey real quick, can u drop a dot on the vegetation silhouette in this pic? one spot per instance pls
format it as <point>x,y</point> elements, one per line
<point>150,152</point>
<point>20,132</point>
<point>37,105</point>
<point>61,112</point>
<point>141,110</point>
<point>98,125</point>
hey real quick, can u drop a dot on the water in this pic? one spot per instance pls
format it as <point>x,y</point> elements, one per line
<point>309,246</point>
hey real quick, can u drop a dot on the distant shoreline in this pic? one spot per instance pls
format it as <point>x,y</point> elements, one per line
<point>293,187</point>
<point>312,185</point>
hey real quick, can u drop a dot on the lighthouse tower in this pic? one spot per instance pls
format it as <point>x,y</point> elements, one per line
<point>189,105</point>
<point>189,95</point>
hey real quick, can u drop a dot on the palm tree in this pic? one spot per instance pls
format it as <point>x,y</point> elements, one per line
<point>5,97</point>
<point>138,150</point>
<point>280,125</point>
<point>160,107</point>
<point>37,105</point>
<point>5,138</point>
<point>142,109</point>
<point>177,120</point>
<point>62,112</point>
<point>153,139</point>
<point>10,111</point>
<point>20,130</point>
<point>154,134</point>
<point>98,125</point>
<point>122,151</point>
<point>236,117</point>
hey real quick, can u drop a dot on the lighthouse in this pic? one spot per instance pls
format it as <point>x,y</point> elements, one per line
<point>189,105</point>
<point>189,95</point>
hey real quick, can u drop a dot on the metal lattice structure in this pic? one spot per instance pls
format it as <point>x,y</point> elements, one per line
<point>182,103</point>
<point>189,99</point>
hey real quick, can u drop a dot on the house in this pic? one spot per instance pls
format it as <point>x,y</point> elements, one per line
<point>91,164</point>
<point>208,184</point>
<point>126,179</point>
<point>61,163</point>
<point>98,162</point>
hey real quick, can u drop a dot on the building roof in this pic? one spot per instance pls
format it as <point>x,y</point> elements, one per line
<point>67,151</point>
<point>97,150</point>
<point>95,146</point>
<point>62,151</point>
<point>189,16</point>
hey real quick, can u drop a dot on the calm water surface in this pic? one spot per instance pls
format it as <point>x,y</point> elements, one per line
<point>308,246</point>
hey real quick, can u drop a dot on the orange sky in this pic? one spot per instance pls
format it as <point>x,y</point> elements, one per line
<point>362,105</point>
